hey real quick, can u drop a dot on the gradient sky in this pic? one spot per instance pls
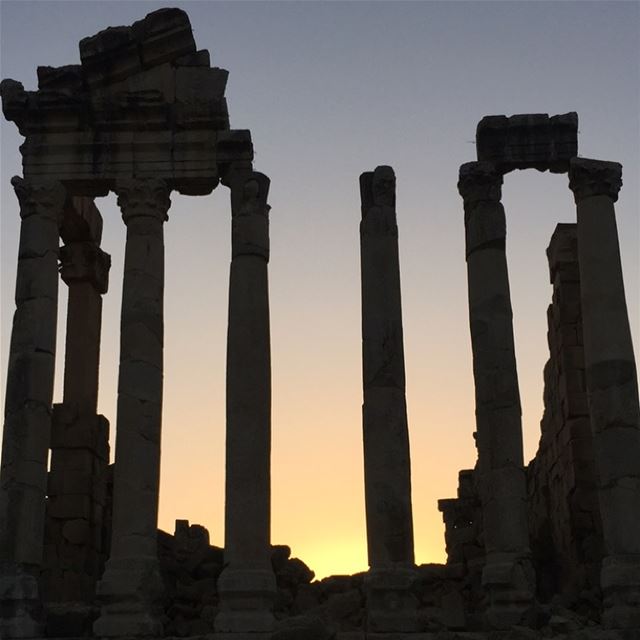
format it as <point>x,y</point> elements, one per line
<point>329,90</point>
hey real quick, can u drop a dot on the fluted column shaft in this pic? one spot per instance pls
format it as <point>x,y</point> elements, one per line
<point>508,574</point>
<point>27,426</point>
<point>387,466</point>
<point>247,584</point>
<point>612,385</point>
<point>131,586</point>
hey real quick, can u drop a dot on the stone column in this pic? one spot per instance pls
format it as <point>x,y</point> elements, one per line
<point>131,587</point>
<point>387,467</point>
<point>612,385</point>
<point>74,544</point>
<point>508,575</point>
<point>27,426</point>
<point>247,584</point>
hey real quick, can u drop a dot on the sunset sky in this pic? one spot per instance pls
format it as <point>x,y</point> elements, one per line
<point>329,90</point>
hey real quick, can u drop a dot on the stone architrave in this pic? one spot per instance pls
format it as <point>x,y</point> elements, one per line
<point>131,587</point>
<point>387,466</point>
<point>27,427</point>
<point>612,385</point>
<point>508,574</point>
<point>247,584</point>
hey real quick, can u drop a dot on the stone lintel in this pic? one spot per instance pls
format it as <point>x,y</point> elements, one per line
<point>90,163</point>
<point>588,177</point>
<point>528,141</point>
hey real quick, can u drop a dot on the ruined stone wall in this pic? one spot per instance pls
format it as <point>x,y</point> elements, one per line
<point>564,516</point>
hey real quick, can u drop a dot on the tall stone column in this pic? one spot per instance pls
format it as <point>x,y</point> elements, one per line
<point>247,584</point>
<point>387,467</point>
<point>612,385</point>
<point>74,545</point>
<point>131,587</point>
<point>508,574</point>
<point>27,426</point>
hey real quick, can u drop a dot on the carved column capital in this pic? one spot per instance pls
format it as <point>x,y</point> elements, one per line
<point>589,178</point>
<point>378,199</point>
<point>85,262</point>
<point>44,198</point>
<point>479,182</point>
<point>143,197</point>
<point>249,211</point>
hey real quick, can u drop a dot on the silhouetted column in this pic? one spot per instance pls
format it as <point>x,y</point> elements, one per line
<point>79,438</point>
<point>27,426</point>
<point>508,574</point>
<point>131,587</point>
<point>612,385</point>
<point>387,467</point>
<point>247,584</point>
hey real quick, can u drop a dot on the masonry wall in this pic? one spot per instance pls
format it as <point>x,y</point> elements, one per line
<point>564,515</point>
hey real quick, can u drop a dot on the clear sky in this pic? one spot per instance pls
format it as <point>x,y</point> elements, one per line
<point>329,90</point>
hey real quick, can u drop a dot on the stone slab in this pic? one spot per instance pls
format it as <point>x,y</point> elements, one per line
<point>528,141</point>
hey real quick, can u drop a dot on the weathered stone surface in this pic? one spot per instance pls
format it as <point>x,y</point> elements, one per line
<point>612,386</point>
<point>390,606</point>
<point>528,141</point>
<point>131,586</point>
<point>247,586</point>
<point>502,488</point>
<point>27,425</point>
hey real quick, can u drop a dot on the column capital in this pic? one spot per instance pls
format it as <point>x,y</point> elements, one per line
<point>85,262</point>
<point>44,198</point>
<point>249,192</point>
<point>143,197</point>
<point>479,182</point>
<point>378,188</point>
<point>378,201</point>
<point>249,212</point>
<point>589,178</point>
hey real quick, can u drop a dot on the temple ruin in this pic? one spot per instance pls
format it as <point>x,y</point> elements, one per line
<point>545,550</point>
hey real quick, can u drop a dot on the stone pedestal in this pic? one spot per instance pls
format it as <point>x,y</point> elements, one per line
<point>508,574</point>
<point>131,587</point>
<point>27,426</point>
<point>390,603</point>
<point>247,584</point>
<point>612,386</point>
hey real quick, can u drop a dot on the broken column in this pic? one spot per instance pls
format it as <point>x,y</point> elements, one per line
<point>74,541</point>
<point>387,468</point>
<point>247,584</point>
<point>131,587</point>
<point>508,575</point>
<point>27,426</point>
<point>612,385</point>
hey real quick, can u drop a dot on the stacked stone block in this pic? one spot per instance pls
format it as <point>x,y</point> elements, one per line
<point>564,514</point>
<point>463,526</point>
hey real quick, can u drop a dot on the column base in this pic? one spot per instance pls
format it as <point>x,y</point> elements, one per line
<point>390,603</point>
<point>246,601</point>
<point>620,582</point>
<point>130,593</point>
<point>509,580</point>
<point>21,613</point>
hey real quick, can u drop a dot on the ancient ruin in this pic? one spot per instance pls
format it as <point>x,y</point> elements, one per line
<point>546,550</point>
